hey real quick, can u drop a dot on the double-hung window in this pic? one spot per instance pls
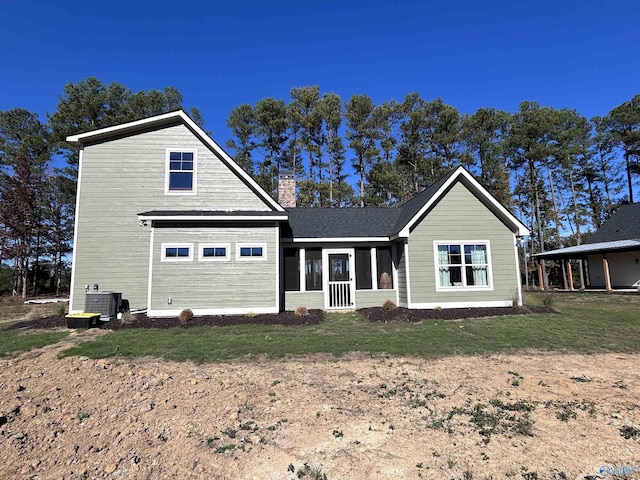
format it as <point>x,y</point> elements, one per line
<point>463,265</point>
<point>181,171</point>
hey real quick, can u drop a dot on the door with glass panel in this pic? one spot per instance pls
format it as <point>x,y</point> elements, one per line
<point>340,279</point>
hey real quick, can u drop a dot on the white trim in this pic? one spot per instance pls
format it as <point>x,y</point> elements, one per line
<point>486,303</point>
<point>179,114</point>
<point>150,284</point>
<point>252,258</point>
<point>337,239</point>
<point>72,285</point>
<point>303,271</point>
<point>519,280</point>
<point>462,288</point>
<point>277,263</point>
<point>212,311</point>
<point>252,218</point>
<point>167,171</point>
<point>521,230</point>
<point>374,267</point>
<point>406,272</point>
<point>326,274</point>
<point>163,251</point>
<point>225,258</point>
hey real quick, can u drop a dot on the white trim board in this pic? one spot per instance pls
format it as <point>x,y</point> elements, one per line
<point>212,311</point>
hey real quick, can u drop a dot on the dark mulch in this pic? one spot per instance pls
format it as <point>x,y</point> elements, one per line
<point>142,321</point>
<point>374,314</point>
<point>401,314</point>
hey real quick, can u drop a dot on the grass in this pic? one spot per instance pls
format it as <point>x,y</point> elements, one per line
<point>13,342</point>
<point>588,323</point>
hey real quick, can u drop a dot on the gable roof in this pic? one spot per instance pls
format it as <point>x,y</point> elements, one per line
<point>167,119</point>
<point>389,223</point>
<point>624,224</point>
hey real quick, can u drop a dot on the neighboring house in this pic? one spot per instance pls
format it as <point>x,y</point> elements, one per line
<point>612,253</point>
<point>167,218</point>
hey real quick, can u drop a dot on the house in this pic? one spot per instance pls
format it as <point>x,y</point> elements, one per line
<point>612,253</point>
<point>167,218</point>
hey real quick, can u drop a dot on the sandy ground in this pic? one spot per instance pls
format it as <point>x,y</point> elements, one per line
<point>353,418</point>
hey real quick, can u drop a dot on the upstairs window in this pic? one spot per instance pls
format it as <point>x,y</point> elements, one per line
<point>251,252</point>
<point>463,265</point>
<point>210,252</point>
<point>181,168</point>
<point>176,252</point>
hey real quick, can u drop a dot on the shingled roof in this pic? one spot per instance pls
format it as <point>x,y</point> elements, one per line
<point>623,225</point>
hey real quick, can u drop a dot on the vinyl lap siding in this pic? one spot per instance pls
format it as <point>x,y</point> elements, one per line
<point>311,300</point>
<point>126,176</point>
<point>472,220</point>
<point>247,285</point>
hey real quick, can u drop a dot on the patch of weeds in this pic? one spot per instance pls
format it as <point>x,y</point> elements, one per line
<point>581,379</point>
<point>338,433</point>
<point>568,410</point>
<point>451,462</point>
<point>530,476</point>
<point>230,432</point>
<point>312,473</point>
<point>275,382</point>
<point>249,426</point>
<point>629,431</point>
<point>83,415</point>
<point>271,428</point>
<point>515,381</point>
<point>467,475</point>
<point>548,300</point>
<point>542,384</point>
<point>620,384</point>
<point>225,448</point>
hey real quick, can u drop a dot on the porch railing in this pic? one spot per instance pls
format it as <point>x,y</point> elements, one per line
<point>340,295</point>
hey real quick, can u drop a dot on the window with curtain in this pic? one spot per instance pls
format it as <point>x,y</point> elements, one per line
<point>463,265</point>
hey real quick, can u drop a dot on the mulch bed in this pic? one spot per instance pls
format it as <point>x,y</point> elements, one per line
<point>401,314</point>
<point>375,314</point>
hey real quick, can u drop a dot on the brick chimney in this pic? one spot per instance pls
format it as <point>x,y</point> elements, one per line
<point>287,189</point>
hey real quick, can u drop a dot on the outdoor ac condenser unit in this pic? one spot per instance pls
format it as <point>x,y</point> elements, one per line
<point>107,304</point>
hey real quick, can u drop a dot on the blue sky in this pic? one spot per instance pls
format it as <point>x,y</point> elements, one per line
<point>563,53</point>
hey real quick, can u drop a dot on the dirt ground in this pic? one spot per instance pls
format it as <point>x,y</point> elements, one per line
<point>529,416</point>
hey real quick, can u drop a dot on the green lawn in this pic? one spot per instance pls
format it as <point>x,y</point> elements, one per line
<point>587,323</point>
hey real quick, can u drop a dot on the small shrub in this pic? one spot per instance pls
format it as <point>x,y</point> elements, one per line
<point>185,317</point>
<point>301,311</point>
<point>548,300</point>
<point>127,318</point>
<point>61,308</point>
<point>252,314</point>
<point>388,305</point>
<point>629,431</point>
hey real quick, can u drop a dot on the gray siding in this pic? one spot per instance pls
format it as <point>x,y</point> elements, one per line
<point>374,298</point>
<point>461,216</point>
<point>311,300</point>
<point>402,274</point>
<point>216,286</point>
<point>126,176</point>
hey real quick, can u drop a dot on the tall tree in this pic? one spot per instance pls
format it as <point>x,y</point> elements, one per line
<point>242,123</point>
<point>271,131</point>
<point>362,135</point>
<point>625,125</point>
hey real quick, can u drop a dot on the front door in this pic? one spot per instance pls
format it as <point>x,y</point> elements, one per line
<point>339,291</point>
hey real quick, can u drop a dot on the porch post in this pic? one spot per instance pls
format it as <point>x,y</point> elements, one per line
<point>540,281</point>
<point>607,277</point>
<point>570,275</point>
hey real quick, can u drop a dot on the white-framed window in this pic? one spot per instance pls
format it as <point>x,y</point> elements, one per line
<point>251,251</point>
<point>181,171</point>
<point>177,252</point>
<point>463,265</point>
<point>211,252</point>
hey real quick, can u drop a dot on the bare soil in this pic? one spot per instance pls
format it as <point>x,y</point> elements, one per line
<point>529,416</point>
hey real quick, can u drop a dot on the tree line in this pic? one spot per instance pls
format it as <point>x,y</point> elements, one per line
<point>562,174</point>
<point>37,192</point>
